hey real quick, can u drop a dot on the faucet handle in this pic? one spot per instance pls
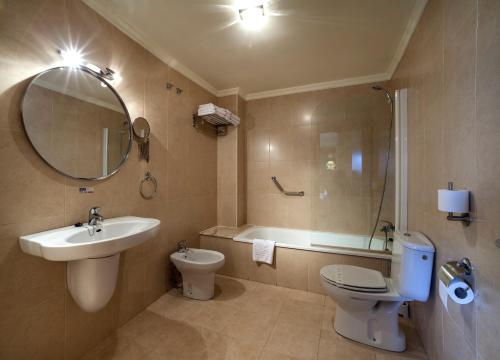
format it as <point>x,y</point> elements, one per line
<point>94,210</point>
<point>389,226</point>
<point>182,245</point>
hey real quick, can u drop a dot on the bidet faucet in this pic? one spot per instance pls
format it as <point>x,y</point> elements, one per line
<point>182,246</point>
<point>94,216</point>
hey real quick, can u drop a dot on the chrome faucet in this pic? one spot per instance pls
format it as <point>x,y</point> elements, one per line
<point>182,247</point>
<point>386,229</point>
<point>94,216</point>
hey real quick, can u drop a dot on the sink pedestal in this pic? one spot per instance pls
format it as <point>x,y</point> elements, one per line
<point>92,282</point>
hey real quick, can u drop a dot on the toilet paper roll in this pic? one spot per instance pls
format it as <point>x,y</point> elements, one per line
<point>460,292</point>
<point>456,201</point>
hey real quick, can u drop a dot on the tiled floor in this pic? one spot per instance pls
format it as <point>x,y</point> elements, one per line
<point>245,321</point>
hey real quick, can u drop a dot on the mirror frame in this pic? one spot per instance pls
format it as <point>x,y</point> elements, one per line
<point>122,103</point>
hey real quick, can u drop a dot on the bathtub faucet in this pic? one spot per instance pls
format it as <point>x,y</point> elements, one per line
<point>386,229</point>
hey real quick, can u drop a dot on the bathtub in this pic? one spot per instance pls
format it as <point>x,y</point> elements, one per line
<point>328,242</point>
<point>299,254</point>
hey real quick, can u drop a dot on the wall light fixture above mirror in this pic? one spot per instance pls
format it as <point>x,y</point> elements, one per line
<point>77,122</point>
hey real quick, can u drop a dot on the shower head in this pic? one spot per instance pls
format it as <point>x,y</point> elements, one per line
<point>386,93</point>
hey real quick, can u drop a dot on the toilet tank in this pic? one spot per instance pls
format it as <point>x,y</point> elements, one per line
<point>411,265</point>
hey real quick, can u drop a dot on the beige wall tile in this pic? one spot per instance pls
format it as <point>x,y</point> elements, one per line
<point>258,144</point>
<point>32,297</point>
<point>455,46</point>
<point>183,160</point>
<point>258,176</point>
<point>264,273</point>
<point>305,131</point>
<point>291,268</point>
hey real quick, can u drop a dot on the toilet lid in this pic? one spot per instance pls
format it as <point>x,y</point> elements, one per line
<point>354,278</point>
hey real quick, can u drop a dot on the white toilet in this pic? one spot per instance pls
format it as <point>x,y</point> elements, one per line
<point>368,303</point>
<point>198,267</point>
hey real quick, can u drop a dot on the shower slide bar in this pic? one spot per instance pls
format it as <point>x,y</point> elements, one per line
<point>287,193</point>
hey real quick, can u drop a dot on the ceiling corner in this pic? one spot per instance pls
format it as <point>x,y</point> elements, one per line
<point>149,44</point>
<point>415,16</point>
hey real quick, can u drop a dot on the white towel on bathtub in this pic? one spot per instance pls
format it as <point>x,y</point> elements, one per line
<point>263,251</point>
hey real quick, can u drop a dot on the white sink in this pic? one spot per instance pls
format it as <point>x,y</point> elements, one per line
<point>75,243</point>
<point>93,260</point>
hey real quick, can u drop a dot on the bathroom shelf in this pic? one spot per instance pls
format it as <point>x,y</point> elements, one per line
<point>216,116</point>
<point>217,122</point>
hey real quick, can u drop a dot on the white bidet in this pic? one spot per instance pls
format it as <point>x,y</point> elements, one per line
<point>198,267</point>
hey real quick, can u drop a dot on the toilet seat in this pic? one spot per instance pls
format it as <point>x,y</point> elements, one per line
<point>354,278</point>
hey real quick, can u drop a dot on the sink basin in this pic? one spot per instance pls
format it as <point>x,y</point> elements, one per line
<point>75,243</point>
<point>93,260</point>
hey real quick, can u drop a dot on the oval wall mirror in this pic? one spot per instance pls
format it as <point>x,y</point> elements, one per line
<point>77,122</point>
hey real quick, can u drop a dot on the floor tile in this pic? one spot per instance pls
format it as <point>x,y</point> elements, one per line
<point>117,348</point>
<point>306,296</point>
<point>329,302</point>
<point>266,299</point>
<point>228,348</point>
<point>176,307</point>
<point>328,318</point>
<point>178,340</point>
<point>232,291</point>
<point>251,326</point>
<point>213,316</point>
<point>334,347</point>
<point>296,341</point>
<point>271,355</point>
<point>146,329</point>
<point>245,321</point>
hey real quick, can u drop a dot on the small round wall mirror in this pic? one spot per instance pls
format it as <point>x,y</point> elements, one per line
<point>141,132</point>
<point>141,129</point>
<point>77,122</point>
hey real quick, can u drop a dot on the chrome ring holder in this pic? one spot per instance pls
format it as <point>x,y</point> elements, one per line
<point>148,178</point>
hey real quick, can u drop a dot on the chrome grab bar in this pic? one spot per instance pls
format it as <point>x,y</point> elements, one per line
<point>287,193</point>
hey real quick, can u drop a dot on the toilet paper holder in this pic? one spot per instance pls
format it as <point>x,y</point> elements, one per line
<point>456,269</point>
<point>465,218</point>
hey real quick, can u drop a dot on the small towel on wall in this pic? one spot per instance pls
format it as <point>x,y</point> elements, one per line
<point>263,251</point>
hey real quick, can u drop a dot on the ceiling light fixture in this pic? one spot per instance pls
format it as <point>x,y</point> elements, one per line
<point>253,17</point>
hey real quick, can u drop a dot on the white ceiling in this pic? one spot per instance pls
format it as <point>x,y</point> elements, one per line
<point>305,45</point>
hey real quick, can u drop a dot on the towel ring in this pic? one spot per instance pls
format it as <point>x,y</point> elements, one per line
<point>151,179</point>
